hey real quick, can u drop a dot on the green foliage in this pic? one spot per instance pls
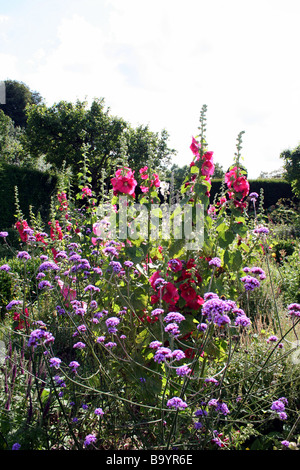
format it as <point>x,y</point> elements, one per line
<point>292,168</point>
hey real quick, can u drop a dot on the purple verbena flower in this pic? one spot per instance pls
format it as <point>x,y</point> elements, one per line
<point>90,439</point>
<point>250,282</point>
<point>176,403</point>
<point>162,354</point>
<point>13,303</point>
<point>294,310</point>
<point>48,266</point>
<point>23,255</point>
<point>184,370</point>
<point>178,354</point>
<point>55,362</point>
<point>216,262</point>
<point>172,317</point>
<point>172,329</point>
<point>5,267</point>
<point>79,345</point>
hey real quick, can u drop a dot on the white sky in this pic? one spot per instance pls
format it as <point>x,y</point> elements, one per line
<point>158,62</point>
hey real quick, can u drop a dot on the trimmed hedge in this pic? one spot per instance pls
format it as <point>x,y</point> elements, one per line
<point>273,190</point>
<point>34,188</point>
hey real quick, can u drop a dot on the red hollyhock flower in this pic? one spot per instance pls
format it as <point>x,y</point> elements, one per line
<point>21,226</point>
<point>187,291</point>
<point>170,293</point>
<point>156,181</point>
<point>55,232</point>
<point>21,322</point>
<point>154,299</point>
<point>196,303</point>
<point>190,264</point>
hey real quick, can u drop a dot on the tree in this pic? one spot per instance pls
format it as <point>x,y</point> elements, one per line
<point>17,97</point>
<point>11,150</point>
<point>292,168</point>
<point>219,172</point>
<point>64,132</point>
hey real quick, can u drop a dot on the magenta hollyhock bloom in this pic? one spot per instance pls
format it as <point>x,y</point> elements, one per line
<point>241,185</point>
<point>156,180</point>
<point>175,265</point>
<point>170,293</point>
<point>195,146</point>
<point>207,168</point>
<point>86,191</point>
<point>208,155</point>
<point>143,173</point>
<point>124,182</point>
<point>238,183</point>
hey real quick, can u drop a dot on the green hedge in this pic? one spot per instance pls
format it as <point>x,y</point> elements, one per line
<point>34,187</point>
<point>273,190</point>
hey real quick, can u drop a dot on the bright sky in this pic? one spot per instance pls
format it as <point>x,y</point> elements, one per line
<point>158,62</point>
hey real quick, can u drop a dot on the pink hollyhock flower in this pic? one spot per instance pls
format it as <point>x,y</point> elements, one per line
<point>68,293</point>
<point>156,180</point>
<point>230,176</point>
<point>211,210</point>
<point>208,155</point>
<point>143,172</point>
<point>195,146</point>
<point>207,168</point>
<point>221,201</point>
<point>241,185</point>
<point>124,182</point>
<point>86,191</point>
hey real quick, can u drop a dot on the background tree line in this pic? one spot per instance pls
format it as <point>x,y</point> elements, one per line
<point>42,137</point>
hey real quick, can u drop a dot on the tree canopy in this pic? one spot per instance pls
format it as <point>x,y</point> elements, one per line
<point>64,132</point>
<point>17,97</point>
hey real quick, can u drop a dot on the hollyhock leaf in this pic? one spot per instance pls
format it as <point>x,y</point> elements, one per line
<point>226,238</point>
